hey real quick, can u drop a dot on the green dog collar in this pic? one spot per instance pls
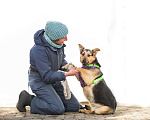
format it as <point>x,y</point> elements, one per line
<point>91,66</point>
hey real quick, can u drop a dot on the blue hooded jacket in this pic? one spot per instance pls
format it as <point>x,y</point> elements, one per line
<point>47,60</point>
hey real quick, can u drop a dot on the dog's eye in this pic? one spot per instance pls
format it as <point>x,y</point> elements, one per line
<point>89,55</point>
<point>83,54</point>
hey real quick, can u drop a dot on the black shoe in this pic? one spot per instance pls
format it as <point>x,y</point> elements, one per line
<point>24,100</point>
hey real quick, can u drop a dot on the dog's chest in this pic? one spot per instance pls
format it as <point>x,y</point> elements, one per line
<point>88,92</point>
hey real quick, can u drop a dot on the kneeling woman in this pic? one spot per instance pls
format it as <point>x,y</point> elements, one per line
<point>46,58</point>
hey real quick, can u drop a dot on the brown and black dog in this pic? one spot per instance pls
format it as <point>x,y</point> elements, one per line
<point>100,97</point>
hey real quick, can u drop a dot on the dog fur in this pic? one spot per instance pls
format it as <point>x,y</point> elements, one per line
<point>100,97</point>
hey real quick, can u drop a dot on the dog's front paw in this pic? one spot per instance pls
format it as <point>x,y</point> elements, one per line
<point>67,67</point>
<point>64,68</point>
<point>88,112</point>
<point>87,107</point>
<point>81,110</point>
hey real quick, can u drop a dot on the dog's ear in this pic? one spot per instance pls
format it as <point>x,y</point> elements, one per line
<point>81,48</point>
<point>95,51</point>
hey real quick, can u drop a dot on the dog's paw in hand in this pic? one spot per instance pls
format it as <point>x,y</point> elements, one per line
<point>64,68</point>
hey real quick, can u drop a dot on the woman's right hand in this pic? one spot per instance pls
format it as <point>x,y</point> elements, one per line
<point>71,72</point>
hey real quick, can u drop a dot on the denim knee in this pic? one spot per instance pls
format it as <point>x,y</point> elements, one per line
<point>41,107</point>
<point>72,108</point>
<point>76,108</point>
<point>60,111</point>
<point>57,110</point>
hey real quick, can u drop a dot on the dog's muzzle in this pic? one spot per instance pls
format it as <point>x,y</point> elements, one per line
<point>84,61</point>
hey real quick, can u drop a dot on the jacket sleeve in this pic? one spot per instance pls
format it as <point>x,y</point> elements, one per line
<point>43,65</point>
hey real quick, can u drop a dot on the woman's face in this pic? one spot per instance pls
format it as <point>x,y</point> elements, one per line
<point>60,41</point>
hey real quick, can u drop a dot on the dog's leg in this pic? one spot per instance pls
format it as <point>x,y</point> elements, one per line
<point>87,107</point>
<point>86,111</point>
<point>103,110</point>
<point>77,76</point>
<point>89,111</point>
<point>81,110</point>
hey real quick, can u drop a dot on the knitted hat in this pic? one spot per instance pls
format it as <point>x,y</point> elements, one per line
<point>55,30</point>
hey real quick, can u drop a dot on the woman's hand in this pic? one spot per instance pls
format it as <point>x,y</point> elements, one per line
<point>71,72</point>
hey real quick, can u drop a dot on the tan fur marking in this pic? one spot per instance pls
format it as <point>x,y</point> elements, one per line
<point>89,93</point>
<point>88,112</point>
<point>82,110</point>
<point>88,75</point>
<point>77,76</point>
<point>102,110</point>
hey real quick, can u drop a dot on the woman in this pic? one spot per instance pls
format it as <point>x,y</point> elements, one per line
<point>46,58</point>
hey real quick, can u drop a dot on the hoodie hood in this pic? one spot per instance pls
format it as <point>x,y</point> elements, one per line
<point>39,39</point>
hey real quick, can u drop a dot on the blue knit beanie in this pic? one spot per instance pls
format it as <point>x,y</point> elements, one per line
<point>54,31</point>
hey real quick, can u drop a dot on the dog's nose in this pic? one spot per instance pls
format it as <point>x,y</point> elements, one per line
<point>84,60</point>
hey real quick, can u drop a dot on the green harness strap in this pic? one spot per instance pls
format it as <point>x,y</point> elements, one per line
<point>97,80</point>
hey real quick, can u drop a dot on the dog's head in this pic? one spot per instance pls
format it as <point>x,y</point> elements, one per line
<point>87,56</point>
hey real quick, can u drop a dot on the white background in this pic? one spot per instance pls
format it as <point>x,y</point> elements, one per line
<point>120,28</point>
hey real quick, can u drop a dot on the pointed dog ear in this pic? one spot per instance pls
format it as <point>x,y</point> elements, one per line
<point>95,51</point>
<point>81,48</point>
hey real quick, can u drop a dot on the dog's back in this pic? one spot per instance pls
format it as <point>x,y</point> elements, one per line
<point>103,95</point>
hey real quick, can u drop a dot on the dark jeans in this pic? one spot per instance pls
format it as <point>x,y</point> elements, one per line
<point>50,98</point>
